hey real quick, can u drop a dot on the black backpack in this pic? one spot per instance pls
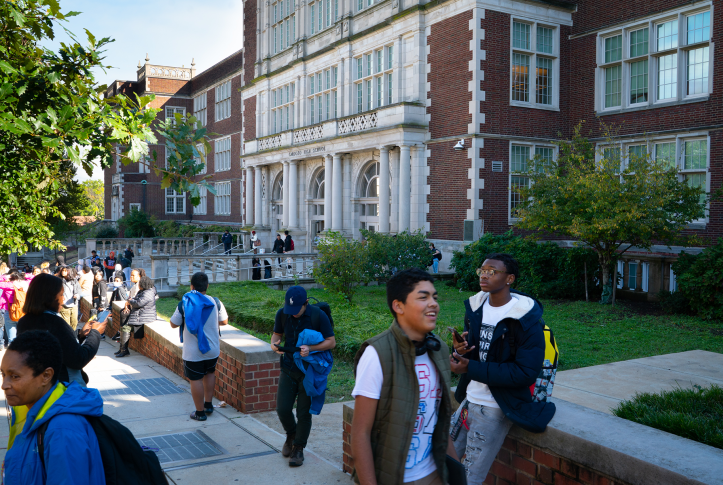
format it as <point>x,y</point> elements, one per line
<point>324,307</point>
<point>183,315</point>
<point>124,459</point>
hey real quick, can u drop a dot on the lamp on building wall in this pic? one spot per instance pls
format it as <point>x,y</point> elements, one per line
<point>459,145</point>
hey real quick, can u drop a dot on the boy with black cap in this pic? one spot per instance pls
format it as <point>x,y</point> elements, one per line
<point>297,315</point>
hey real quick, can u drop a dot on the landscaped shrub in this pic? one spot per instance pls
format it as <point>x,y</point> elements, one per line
<point>136,223</point>
<point>700,281</point>
<point>546,269</point>
<point>342,264</point>
<point>106,232</point>
<point>388,254</point>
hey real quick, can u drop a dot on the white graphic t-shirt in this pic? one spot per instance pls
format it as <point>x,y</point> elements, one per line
<point>477,392</point>
<point>369,378</point>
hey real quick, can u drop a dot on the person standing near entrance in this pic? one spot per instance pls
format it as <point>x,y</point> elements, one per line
<point>297,315</point>
<point>278,246</point>
<point>499,356</point>
<point>200,320</point>
<point>288,243</point>
<point>109,265</point>
<point>227,240</point>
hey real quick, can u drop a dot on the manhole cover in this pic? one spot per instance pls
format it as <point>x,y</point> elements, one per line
<point>143,387</point>
<point>182,446</point>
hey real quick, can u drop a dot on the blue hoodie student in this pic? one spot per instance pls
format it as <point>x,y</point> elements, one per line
<point>197,308</point>
<point>317,371</point>
<point>72,455</point>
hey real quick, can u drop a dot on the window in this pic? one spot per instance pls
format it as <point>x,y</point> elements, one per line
<point>199,108</point>
<point>323,96</point>
<point>282,108</point>
<point>223,154</point>
<point>201,152</point>
<point>639,64</point>
<point>520,155</point>
<point>362,4</point>
<point>373,78</point>
<point>223,101</point>
<point>665,154</point>
<point>134,206</point>
<point>172,111</point>
<point>175,202</point>
<point>283,25</point>
<point>200,209</point>
<point>534,46</point>
<point>222,203</point>
<point>695,164</point>
<point>317,196</point>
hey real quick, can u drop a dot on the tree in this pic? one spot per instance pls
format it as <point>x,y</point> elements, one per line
<point>342,264</point>
<point>606,208</point>
<point>93,190</point>
<point>52,112</point>
<point>391,253</point>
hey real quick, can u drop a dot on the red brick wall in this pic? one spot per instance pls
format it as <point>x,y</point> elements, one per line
<point>249,39</point>
<point>170,86</point>
<point>250,118</point>
<point>249,388</point>
<point>448,77</point>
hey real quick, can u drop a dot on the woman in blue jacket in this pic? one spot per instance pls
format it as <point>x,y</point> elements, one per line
<point>71,453</point>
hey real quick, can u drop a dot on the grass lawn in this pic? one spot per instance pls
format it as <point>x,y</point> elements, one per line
<point>587,333</point>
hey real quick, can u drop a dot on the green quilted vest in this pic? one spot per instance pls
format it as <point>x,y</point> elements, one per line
<point>397,409</point>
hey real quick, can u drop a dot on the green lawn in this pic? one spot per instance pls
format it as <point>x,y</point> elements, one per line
<point>587,333</point>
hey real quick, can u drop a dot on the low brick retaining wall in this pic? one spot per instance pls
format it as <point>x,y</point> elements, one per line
<point>587,447</point>
<point>247,371</point>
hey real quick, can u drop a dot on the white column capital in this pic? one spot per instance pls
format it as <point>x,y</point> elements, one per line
<point>384,149</point>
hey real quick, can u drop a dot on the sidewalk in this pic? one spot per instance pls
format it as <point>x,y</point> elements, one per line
<point>228,448</point>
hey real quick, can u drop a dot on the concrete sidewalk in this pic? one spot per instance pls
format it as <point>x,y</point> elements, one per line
<point>228,448</point>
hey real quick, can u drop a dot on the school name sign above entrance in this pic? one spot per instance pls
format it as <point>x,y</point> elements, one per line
<point>308,151</point>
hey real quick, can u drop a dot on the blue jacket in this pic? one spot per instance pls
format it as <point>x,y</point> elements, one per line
<point>508,378</point>
<point>196,309</point>
<point>320,363</point>
<point>71,448</point>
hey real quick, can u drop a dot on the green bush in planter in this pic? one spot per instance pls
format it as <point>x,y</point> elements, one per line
<point>388,254</point>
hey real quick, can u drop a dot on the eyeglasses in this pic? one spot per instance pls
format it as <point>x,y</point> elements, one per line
<point>488,272</point>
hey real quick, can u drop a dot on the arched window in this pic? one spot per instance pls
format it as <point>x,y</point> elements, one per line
<point>277,202</point>
<point>370,182</point>
<point>278,192</point>
<point>317,186</point>
<point>316,205</point>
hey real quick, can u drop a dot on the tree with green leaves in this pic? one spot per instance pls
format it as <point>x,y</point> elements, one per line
<point>342,264</point>
<point>93,191</point>
<point>607,201</point>
<point>52,112</point>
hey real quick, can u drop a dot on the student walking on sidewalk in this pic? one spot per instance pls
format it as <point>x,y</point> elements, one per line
<point>296,316</point>
<point>199,317</point>
<point>495,379</point>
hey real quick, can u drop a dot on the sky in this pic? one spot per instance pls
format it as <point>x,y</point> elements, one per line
<point>171,32</point>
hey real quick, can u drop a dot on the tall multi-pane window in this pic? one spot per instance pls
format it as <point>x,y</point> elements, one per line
<point>282,108</point>
<point>283,24</point>
<point>520,156</point>
<point>199,108</point>
<point>534,64</point>
<point>373,76</point>
<point>222,200</point>
<point>323,95</point>
<point>313,18</point>
<point>201,152</point>
<point>200,209</point>
<point>695,163</point>
<point>665,154</point>
<point>172,111</point>
<point>222,155</point>
<point>639,65</point>
<point>223,101</point>
<point>175,202</point>
<point>362,4</point>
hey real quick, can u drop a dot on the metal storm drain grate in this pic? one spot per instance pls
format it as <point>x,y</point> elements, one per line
<point>182,446</point>
<point>143,387</point>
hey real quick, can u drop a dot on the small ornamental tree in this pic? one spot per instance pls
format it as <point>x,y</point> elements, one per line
<point>609,204</point>
<point>342,264</point>
<point>391,253</point>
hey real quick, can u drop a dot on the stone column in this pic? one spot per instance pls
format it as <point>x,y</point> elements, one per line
<point>327,192</point>
<point>639,276</point>
<point>249,197</point>
<point>285,218</point>
<point>336,187</point>
<point>348,192</point>
<point>257,195</point>
<point>266,201</point>
<point>404,187</point>
<point>394,210</point>
<point>384,189</point>
<point>293,185</point>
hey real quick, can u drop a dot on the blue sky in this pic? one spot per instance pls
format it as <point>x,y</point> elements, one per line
<point>172,32</point>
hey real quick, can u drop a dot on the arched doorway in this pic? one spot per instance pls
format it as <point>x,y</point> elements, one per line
<point>277,203</point>
<point>369,197</point>
<point>316,202</point>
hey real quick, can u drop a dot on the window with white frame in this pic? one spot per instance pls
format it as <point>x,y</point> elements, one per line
<point>283,25</point>
<point>222,158</point>
<point>200,209</point>
<point>362,4</point>
<point>323,95</point>
<point>223,101</point>
<point>222,200</point>
<point>172,111</point>
<point>520,156</point>
<point>201,152</point>
<point>639,64</point>
<point>323,14</point>
<point>199,108</point>
<point>316,201</point>
<point>373,79</point>
<point>535,68</point>
<point>282,108</point>
<point>175,202</point>
<point>134,206</point>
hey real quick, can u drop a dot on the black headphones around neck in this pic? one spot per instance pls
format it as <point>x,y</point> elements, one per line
<point>430,342</point>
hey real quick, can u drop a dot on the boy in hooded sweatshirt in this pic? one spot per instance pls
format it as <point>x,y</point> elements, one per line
<point>109,265</point>
<point>71,455</point>
<point>494,388</point>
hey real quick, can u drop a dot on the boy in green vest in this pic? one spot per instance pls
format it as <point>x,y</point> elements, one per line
<point>400,432</point>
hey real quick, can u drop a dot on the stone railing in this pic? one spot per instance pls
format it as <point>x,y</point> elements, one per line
<point>358,123</point>
<point>582,446</point>
<point>142,247</point>
<point>307,134</point>
<point>171,271</point>
<point>210,242</point>
<point>270,142</point>
<point>149,70</point>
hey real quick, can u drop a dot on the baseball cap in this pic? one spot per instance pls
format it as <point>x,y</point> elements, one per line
<point>295,299</point>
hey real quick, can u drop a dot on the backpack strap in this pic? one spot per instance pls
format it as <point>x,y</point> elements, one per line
<point>40,440</point>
